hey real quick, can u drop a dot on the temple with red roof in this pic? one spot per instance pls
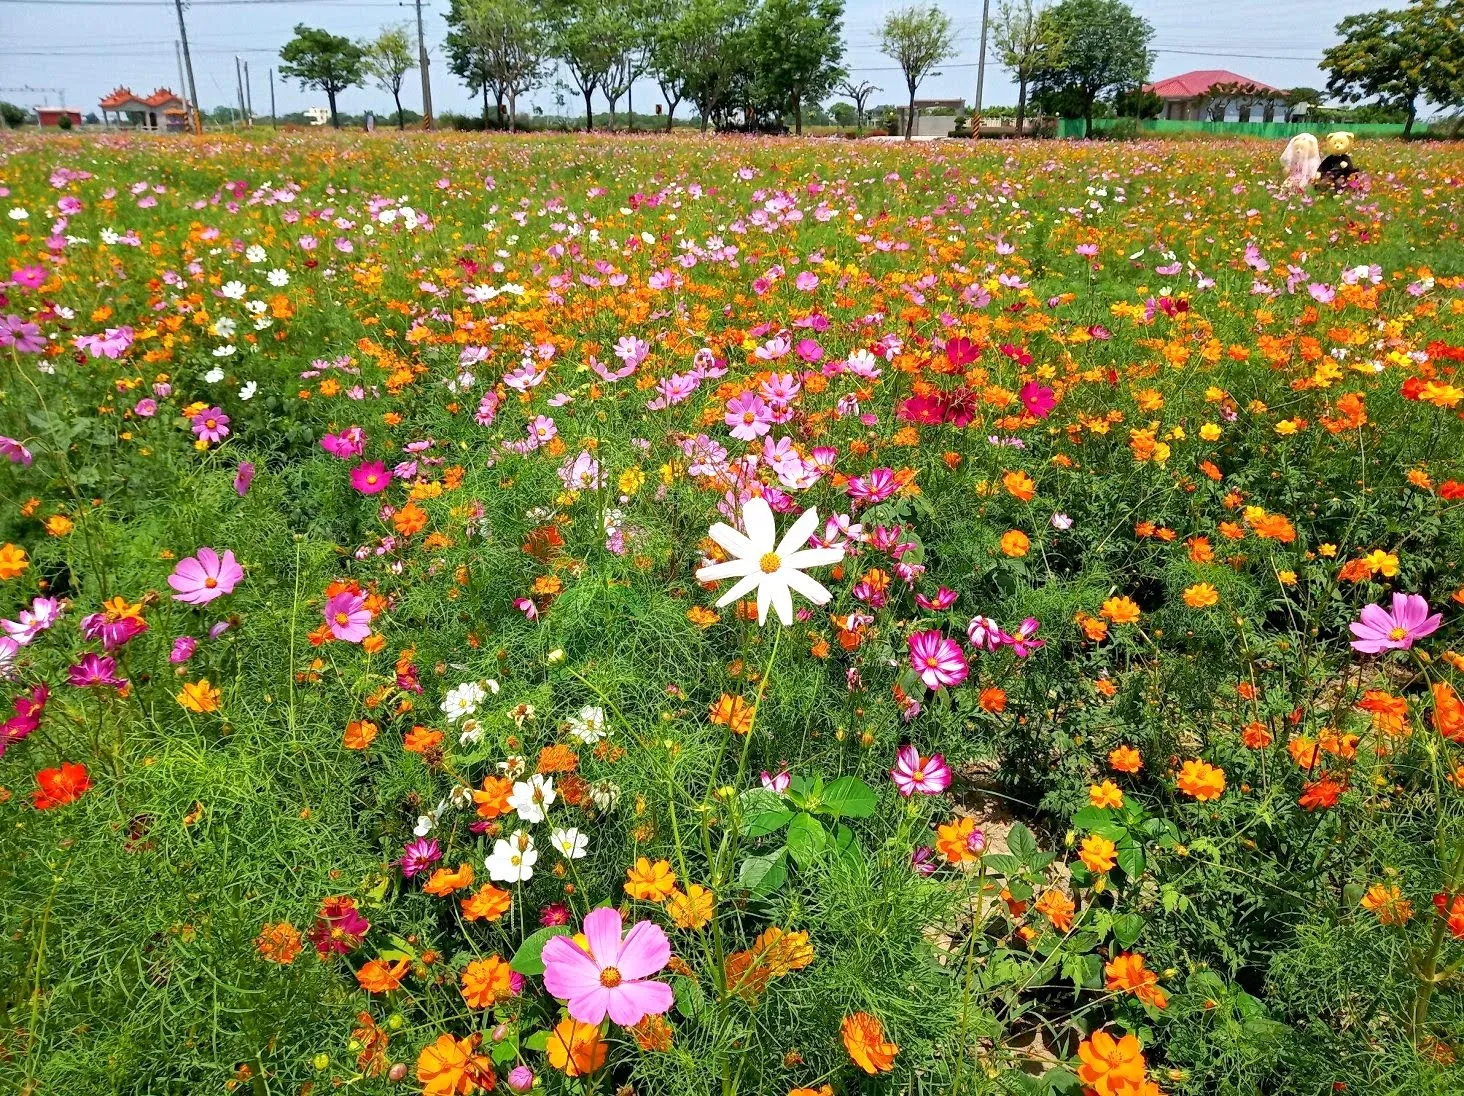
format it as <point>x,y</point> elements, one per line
<point>162,110</point>
<point>1219,95</point>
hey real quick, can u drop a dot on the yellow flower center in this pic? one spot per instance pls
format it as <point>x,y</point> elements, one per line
<point>210,423</point>
<point>918,775</point>
<point>371,480</point>
<point>210,582</point>
<point>609,978</point>
<point>770,563</point>
<point>1397,633</point>
<point>343,618</point>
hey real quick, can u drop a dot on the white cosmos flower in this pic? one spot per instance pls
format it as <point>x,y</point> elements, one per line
<point>532,797</point>
<point>234,290</point>
<point>247,392</point>
<point>589,726</point>
<point>512,859</point>
<point>771,567</point>
<point>572,844</point>
<point>255,253</point>
<point>214,375</point>
<point>463,700</point>
<point>279,277</point>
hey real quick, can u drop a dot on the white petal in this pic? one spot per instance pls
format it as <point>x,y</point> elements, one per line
<point>813,557</point>
<point>782,601</point>
<point>742,587</point>
<point>762,531</point>
<point>806,586</point>
<point>733,541</point>
<point>735,569</point>
<point>765,596</point>
<point>798,535</point>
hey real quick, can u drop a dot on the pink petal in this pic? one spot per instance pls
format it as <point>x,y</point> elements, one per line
<point>568,971</point>
<point>632,1002</point>
<point>1377,618</point>
<point>645,951</point>
<point>208,559</point>
<point>602,931</point>
<point>590,1008</point>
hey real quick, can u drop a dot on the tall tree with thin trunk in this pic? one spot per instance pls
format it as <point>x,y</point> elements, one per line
<point>1023,44</point>
<point>917,39</point>
<point>319,59</point>
<point>1101,50</point>
<point>797,47</point>
<point>1397,56</point>
<point>583,37</point>
<point>388,59</point>
<point>860,94</point>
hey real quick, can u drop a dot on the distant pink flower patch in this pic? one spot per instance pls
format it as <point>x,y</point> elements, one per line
<point>610,975</point>
<point>347,617</point>
<point>1380,630</point>
<point>200,579</point>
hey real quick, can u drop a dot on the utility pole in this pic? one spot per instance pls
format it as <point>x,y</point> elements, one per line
<point>248,94</point>
<point>188,61</point>
<point>182,84</point>
<point>239,87</point>
<point>274,122</point>
<point>980,72</point>
<point>422,64</point>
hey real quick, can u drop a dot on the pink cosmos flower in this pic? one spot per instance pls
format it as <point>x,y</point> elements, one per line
<point>419,855</point>
<point>243,478</point>
<point>183,648</point>
<point>984,633</point>
<point>610,975</point>
<point>913,773</point>
<point>944,598</point>
<point>370,477</point>
<point>211,425</point>
<point>199,579</point>
<point>1038,399</point>
<point>874,488</point>
<point>778,783</point>
<point>114,632</point>
<point>1380,630</point>
<point>748,416</point>
<point>27,717</point>
<point>937,660</point>
<point>93,670</point>
<point>25,336</point>
<point>1024,641</point>
<point>347,617</point>
<point>14,452</point>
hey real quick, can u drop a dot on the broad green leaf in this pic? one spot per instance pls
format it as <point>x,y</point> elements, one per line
<point>529,959</point>
<point>762,875</point>
<point>806,839</point>
<point>1021,843</point>
<point>766,822</point>
<point>849,797</point>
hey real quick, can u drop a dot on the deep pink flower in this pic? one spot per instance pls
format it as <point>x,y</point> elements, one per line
<point>1038,399</point>
<point>984,634</point>
<point>347,617</point>
<point>339,927</point>
<point>610,975</point>
<point>874,488</point>
<point>29,277</point>
<point>1023,643</point>
<point>370,477</point>
<point>199,579</point>
<point>211,425</point>
<point>555,913</point>
<point>25,336</point>
<point>183,648</point>
<point>937,660</point>
<point>1380,630</point>
<point>944,598</point>
<point>419,855</point>
<point>27,717</point>
<point>112,631</point>
<point>778,783</point>
<point>93,670</point>
<point>243,478</point>
<point>913,773</point>
<point>14,452</point>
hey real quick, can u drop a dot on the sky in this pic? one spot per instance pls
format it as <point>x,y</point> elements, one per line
<point>84,48</point>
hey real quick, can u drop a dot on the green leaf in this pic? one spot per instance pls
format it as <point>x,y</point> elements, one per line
<point>762,875</point>
<point>846,846</point>
<point>1126,929</point>
<point>529,959</point>
<point>806,839</point>
<point>1000,863</point>
<point>849,797</point>
<point>690,998</point>
<point>1021,843</point>
<point>1130,858</point>
<point>1089,817</point>
<point>766,822</point>
<point>538,1041</point>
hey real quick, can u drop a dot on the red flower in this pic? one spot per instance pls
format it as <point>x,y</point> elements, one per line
<point>59,787</point>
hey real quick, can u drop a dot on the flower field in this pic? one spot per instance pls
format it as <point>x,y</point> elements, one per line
<point>656,616</point>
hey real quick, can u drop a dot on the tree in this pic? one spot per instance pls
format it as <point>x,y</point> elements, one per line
<point>585,38</point>
<point>860,94</point>
<point>1396,56</point>
<point>513,37</point>
<point>467,54</point>
<point>917,39</point>
<point>12,115</point>
<point>797,47</point>
<point>388,59</point>
<point>696,51</point>
<point>319,59</point>
<point>1101,49</point>
<point>1024,45</point>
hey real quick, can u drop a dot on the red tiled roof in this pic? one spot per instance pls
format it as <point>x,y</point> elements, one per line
<point>1187,85</point>
<point>117,98</point>
<point>161,96</point>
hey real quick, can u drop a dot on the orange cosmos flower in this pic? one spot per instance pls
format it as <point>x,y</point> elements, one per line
<point>421,739</point>
<point>409,520</point>
<point>1201,596</point>
<point>1105,795</point>
<point>488,904</point>
<point>444,881</point>
<point>1201,780</point>
<point>1111,1067</point>
<point>60,786</point>
<point>732,712</point>
<point>1127,973</point>
<point>199,696</point>
<point>864,1039</point>
<point>1125,759</point>
<point>1019,485</point>
<point>377,977</point>
<point>993,700</point>
<point>1120,610</point>
<point>1387,904</point>
<point>691,910</point>
<point>13,562</point>
<point>359,734</point>
<point>278,943</point>
<point>649,882</point>
<point>1448,713</point>
<point>576,1049</point>
<point>1015,543</point>
<point>1098,854</point>
<point>492,799</point>
<point>1389,712</point>
<point>1255,736</point>
<point>485,982</point>
<point>453,1067</point>
<point>1057,908</point>
<point>953,841</point>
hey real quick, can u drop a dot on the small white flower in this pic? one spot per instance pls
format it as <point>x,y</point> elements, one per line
<point>462,700</point>
<point>771,567</point>
<point>19,214</point>
<point>572,844</point>
<point>532,798</point>
<point>109,236</point>
<point>256,307</point>
<point>1061,521</point>
<point>605,794</point>
<point>214,375</point>
<point>247,392</point>
<point>512,766</point>
<point>278,277</point>
<point>254,253</point>
<point>223,352</point>
<point>260,323</point>
<point>461,796</point>
<point>424,825</point>
<point>512,859</point>
<point>234,290</point>
<point>471,734</point>
<point>224,327</point>
<point>589,726</point>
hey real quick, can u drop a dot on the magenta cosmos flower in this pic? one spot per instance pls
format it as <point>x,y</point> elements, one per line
<point>937,660</point>
<point>419,855</point>
<point>201,578</point>
<point>370,477</point>
<point>1038,399</point>
<point>347,617</point>
<point>913,773</point>
<point>610,974</point>
<point>211,425</point>
<point>1380,630</point>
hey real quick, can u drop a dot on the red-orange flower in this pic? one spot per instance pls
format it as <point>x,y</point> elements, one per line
<point>58,787</point>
